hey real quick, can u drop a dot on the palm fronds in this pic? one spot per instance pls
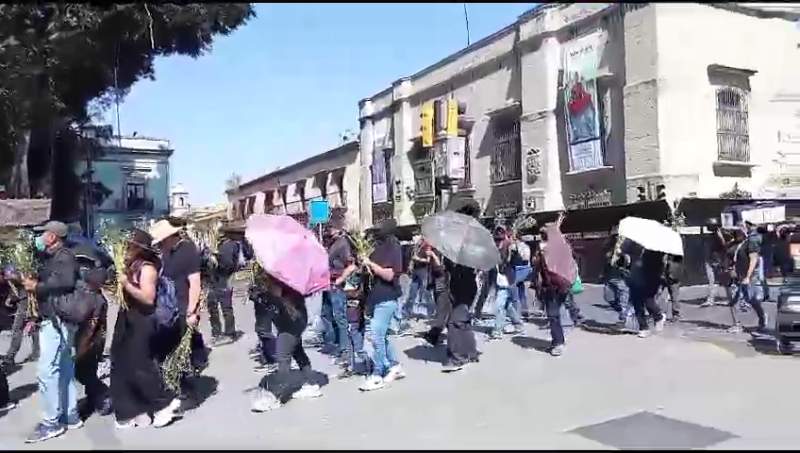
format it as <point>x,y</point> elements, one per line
<point>179,361</point>
<point>363,245</point>
<point>114,240</point>
<point>21,254</point>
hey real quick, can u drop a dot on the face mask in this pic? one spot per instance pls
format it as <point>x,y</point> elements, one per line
<point>39,244</point>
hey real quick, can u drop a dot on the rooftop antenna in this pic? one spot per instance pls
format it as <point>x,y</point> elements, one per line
<point>466,20</point>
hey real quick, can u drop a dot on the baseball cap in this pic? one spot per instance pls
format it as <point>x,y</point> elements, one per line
<point>58,228</point>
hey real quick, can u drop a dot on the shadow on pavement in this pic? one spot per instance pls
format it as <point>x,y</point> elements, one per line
<point>21,393</point>
<point>591,325</point>
<point>427,353</point>
<point>11,368</point>
<point>706,324</point>
<point>202,388</point>
<point>531,343</point>
<point>605,307</point>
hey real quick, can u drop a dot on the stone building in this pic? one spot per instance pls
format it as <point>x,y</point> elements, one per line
<point>179,203</point>
<point>332,175</point>
<point>585,105</point>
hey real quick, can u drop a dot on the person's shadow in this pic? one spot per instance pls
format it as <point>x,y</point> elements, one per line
<point>203,388</point>
<point>21,393</point>
<point>531,343</point>
<point>427,353</point>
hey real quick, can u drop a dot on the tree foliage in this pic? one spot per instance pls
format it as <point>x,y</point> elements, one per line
<point>55,58</point>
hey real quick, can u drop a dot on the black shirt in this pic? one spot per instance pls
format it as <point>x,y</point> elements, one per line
<point>289,313</point>
<point>742,254</point>
<point>387,254</point>
<point>228,258</point>
<point>463,285</point>
<point>181,262</point>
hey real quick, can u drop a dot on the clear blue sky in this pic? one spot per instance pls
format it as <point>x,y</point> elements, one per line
<point>284,86</point>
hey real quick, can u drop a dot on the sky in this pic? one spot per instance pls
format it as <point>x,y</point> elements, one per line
<point>285,86</point>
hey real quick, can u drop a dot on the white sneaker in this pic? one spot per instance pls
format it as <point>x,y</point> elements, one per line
<point>644,333</point>
<point>660,323</point>
<point>140,421</point>
<point>165,416</point>
<point>372,383</point>
<point>395,373</point>
<point>307,391</point>
<point>265,402</point>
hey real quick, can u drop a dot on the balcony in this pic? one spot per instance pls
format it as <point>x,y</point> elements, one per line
<point>131,205</point>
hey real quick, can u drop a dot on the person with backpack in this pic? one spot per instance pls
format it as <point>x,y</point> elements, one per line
<point>55,284</point>
<point>181,264</point>
<point>220,298</point>
<point>91,338</point>
<point>138,390</point>
<point>506,301</point>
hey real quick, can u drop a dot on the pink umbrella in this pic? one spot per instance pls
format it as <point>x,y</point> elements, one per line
<point>289,252</point>
<point>558,254</point>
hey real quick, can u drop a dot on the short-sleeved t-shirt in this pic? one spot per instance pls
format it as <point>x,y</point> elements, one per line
<point>750,245</point>
<point>181,262</point>
<point>387,254</point>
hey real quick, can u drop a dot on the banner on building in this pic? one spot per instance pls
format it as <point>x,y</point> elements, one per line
<point>581,58</point>
<point>426,124</point>
<point>380,192</point>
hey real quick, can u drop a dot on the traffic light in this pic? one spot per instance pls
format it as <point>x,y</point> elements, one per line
<point>452,118</point>
<point>642,193</point>
<point>439,117</point>
<point>426,124</point>
<point>661,192</point>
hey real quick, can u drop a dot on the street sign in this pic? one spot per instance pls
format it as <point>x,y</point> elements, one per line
<point>319,212</point>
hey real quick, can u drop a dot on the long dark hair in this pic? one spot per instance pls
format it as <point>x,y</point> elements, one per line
<point>145,253</point>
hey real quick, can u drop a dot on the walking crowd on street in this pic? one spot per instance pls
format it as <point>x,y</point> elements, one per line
<point>461,273</point>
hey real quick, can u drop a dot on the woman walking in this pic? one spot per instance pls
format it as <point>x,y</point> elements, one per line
<point>137,387</point>
<point>290,317</point>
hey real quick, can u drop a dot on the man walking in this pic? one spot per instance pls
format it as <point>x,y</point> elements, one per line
<point>746,257</point>
<point>342,264</point>
<point>56,370</point>
<point>220,298</point>
<point>420,270</point>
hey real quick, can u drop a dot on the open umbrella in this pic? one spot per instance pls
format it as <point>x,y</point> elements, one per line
<point>651,235</point>
<point>462,239</point>
<point>289,252</point>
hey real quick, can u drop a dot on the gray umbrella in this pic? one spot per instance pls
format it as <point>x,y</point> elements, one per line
<point>462,239</point>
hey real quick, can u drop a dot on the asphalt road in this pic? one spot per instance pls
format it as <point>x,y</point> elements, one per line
<point>692,386</point>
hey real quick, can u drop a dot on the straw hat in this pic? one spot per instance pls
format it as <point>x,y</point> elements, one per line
<point>162,230</point>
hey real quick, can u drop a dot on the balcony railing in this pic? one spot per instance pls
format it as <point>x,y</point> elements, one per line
<point>137,205</point>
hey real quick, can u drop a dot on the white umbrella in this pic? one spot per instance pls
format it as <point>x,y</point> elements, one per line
<point>651,235</point>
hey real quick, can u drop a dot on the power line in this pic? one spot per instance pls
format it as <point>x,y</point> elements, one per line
<point>466,20</point>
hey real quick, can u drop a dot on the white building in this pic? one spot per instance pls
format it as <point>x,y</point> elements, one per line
<point>179,204</point>
<point>332,175</point>
<point>581,105</point>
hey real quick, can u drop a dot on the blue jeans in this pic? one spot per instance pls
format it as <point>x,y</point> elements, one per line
<point>337,300</point>
<point>381,351</point>
<point>750,295</point>
<point>56,371</point>
<point>617,294</point>
<point>357,354</point>
<point>506,303</point>
<point>418,289</point>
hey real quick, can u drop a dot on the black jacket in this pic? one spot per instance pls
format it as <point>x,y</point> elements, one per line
<point>58,277</point>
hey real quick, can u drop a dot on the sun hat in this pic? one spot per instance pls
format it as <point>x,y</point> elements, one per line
<point>162,230</point>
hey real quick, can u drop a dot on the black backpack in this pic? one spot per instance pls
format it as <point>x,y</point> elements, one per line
<point>75,307</point>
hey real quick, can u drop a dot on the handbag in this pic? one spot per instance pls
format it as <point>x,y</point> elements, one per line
<point>577,286</point>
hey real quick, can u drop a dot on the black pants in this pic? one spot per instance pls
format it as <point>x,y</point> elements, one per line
<point>461,347</point>
<point>674,292</point>
<point>137,386</point>
<point>221,300</point>
<point>4,395</point>
<point>552,303</point>
<point>18,332</point>
<point>644,303</point>
<point>486,287</point>
<point>86,374</point>
<point>263,328</point>
<point>286,381</point>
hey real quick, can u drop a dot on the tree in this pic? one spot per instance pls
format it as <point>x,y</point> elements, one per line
<point>233,182</point>
<point>56,58</point>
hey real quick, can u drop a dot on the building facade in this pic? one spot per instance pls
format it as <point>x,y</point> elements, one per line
<point>179,203</point>
<point>332,175</point>
<point>133,176</point>
<point>587,105</point>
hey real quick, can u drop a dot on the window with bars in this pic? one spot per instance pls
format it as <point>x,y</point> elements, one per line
<point>733,139</point>
<point>506,159</point>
